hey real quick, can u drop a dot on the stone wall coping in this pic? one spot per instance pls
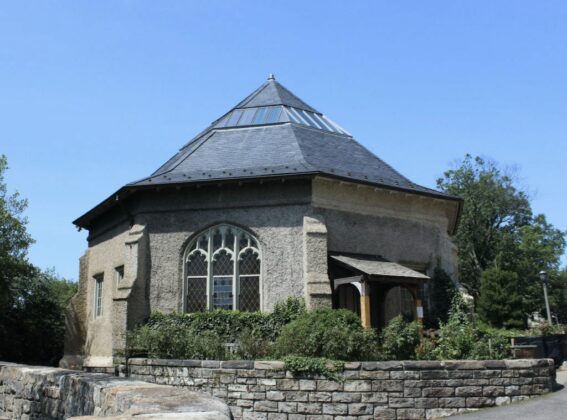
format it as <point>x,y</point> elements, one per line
<point>406,365</point>
<point>52,393</point>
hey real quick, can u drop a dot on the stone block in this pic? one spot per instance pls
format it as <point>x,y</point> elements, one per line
<point>391,365</point>
<point>412,392</point>
<point>503,400</point>
<point>251,415</point>
<point>480,402</point>
<point>357,386</point>
<point>287,407</point>
<point>275,396</point>
<point>269,365</point>
<point>411,413</point>
<point>266,406</point>
<point>383,413</point>
<point>301,396</point>
<point>468,391</point>
<point>438,392</point>
<point>388,386</point>
<point>493,391</point>
<point>326,385</point>
<point>401,402</point>
<point>320,396</point>
<point>267,382</point>
<point>404,374</point>
<point>374,397</point>
<point>352,365</point>
<point>347,397</point>
<point>309,408</point>
<point>453,402</point>
<point>357,409</point>
<point>335,409</point>
<point>307,385</point>
<point>434,413</point>
<point>375,374</point>
<point>288,384</point>
<point>426,402</point>
<point>423,365</point>
<point>434,374</point>
<point>211,364</point>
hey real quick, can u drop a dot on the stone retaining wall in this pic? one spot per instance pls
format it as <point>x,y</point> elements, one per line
<point>369,390</point>
<point>28,392</point>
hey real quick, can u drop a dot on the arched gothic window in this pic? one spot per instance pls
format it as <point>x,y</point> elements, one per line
<point>222,270</point>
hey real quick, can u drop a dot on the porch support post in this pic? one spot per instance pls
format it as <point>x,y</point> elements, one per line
<point>365,304</point>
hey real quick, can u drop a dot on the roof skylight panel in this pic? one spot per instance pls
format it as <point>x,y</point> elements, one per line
<point>247,116</point>
<point>322,122</point>
<point>260,116</point>
<point>234,117</point>
<point>273,114</point>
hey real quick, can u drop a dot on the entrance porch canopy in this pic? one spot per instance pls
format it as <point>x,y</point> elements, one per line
<point>377,269</point>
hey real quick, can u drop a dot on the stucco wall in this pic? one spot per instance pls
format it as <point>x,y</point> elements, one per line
<point>368,390</point>
<point>33,392</point>
<point>401,227</point>
<point>296,222</point>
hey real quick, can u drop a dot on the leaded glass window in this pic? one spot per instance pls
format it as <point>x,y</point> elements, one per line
<point>98,295</point>
<point>222,270</point>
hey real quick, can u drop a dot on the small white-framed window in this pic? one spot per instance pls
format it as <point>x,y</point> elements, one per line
<point>119,275</point>
<point>98,295</point>
<point>222,270</point>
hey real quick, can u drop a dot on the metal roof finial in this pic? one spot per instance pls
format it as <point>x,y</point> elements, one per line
<point>271,76</point>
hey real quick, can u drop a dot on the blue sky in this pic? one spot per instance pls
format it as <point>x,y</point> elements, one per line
<point>96,94</point>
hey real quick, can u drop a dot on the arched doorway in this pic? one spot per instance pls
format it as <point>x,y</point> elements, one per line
<point>398,300</point>
<point>347,296</point>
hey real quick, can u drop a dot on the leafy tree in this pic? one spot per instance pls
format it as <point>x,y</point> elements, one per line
<point>14,239</point>
<point>32,302</point>
<point>493,206</point>
<point>499,234</point>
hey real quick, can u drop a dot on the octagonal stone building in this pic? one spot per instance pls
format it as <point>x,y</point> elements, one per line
<point>272,200</point>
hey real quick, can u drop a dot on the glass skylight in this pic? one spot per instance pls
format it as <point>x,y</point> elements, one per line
<point>277,114</point>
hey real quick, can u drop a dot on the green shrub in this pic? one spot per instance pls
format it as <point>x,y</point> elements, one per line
<point>250,346</point>
<point>205,334</point>
<point>329,333</point>
<point>457,337</point>
<point>399,339</point>
<point>287,310</point>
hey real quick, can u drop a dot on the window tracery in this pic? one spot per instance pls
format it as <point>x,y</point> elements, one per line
<point>222,270</point>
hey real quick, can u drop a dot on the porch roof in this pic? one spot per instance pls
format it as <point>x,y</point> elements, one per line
<point>378,266</point>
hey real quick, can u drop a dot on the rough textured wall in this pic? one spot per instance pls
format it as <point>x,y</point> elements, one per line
<point>76,321</point>
<point>90,341</point>
<point>369,390</point>
<point>401,227</point>
<point>315,272</point>
<point>28,392</point>
<point>273,215</point>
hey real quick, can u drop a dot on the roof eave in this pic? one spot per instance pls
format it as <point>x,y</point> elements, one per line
<point>84,220</point>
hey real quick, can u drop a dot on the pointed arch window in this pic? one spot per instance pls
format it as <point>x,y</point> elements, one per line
<point>222,270</point>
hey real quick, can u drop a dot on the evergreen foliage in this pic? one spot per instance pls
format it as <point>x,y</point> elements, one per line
<point>32,302</point>
<point>441,294</point>
<point>500,301</point>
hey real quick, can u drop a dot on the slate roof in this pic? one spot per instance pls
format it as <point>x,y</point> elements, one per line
<point>378,266</point>
<point>301,141</point>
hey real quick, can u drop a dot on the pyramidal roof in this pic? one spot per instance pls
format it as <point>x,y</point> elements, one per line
<point>272,133</point>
